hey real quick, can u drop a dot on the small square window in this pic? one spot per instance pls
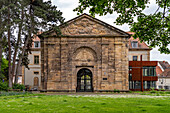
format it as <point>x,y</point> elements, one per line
<point>104,78</point>
<point>36,73</point>
<point>36,44</point>
<point>134,44</point>
<point>135,58</point>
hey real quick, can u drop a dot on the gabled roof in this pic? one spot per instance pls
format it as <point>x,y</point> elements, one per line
<point>166,68</point>
<point>86,24</point>
<point>166,73</point>
<point>141,45</point>
<point>164,64</point>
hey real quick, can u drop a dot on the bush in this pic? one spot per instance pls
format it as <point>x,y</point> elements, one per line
<point>152,90</point>
<point>18,86</point>
<point>161,89</point>
<point>115,90</point>
<point>3,86</point>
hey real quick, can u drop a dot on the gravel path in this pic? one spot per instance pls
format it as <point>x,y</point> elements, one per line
<point>120,96</point>
<point>105,95</point>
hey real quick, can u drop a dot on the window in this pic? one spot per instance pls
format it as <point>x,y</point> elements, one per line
<point>135,58</point>
<point>166,87</point>
<point>36,73</point>
<point>149,71</point>
<point>154,84</point>
<point>36,59</point>
<point>160,87</point>
<point>104,78</point>
<point>137,84</point>
<point>36,44</point>
<point>130,76</point>
<point>130,85</point>
<point>134,44</point>
<point>145,84</point>
<point>149,84</point>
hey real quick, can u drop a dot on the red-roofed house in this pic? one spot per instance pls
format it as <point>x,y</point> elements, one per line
<point>137,48</point>
<point>163,71</point>
<point>142,71</point>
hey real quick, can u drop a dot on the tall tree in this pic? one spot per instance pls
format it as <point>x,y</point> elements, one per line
<point>25,18</point>
<point>41,15</point>
<point>2,29</point>
<point>153,28</point>
<point>9,43</point>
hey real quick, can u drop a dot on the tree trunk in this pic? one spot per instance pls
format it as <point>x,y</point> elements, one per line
<point>16,49</point>
<point>9,51</point>
<point>20,58</point>
<point>26,42</point>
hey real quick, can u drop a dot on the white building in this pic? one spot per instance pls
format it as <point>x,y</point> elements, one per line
<point>32,76</point>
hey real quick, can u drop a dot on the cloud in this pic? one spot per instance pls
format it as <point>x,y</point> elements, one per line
<point>65,4</point>
<point>157,56</point>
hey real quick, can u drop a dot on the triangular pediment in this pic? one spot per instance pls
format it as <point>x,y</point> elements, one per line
<point>86,25</point>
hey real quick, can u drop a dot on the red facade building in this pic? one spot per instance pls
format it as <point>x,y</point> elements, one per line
<point>142,75</point>
<point>142,71</point>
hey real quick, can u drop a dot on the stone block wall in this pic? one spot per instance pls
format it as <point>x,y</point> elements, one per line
<point>85,43</point>
<point>106,57</point>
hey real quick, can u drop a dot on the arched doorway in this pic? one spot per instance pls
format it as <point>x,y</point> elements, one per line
<point>84,80</point>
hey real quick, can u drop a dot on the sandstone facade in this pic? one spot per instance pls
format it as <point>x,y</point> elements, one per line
<point>86,43</point>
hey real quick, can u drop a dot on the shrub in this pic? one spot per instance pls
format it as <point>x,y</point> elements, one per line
<point>3,86</point>
<point>152,90</point>
<point>18,86</point>
<point>130,91</point>
<point>115,90</point>
<point>161,89</point>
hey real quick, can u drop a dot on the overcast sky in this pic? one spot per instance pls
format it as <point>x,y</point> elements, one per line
<point>67,6</point>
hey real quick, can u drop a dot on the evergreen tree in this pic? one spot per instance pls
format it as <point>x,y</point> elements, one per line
<point>25,18</point>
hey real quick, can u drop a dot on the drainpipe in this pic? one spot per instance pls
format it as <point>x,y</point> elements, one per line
<point>141,73</point>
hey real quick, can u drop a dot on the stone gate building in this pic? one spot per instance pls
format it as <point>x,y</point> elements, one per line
<point>89,56</point>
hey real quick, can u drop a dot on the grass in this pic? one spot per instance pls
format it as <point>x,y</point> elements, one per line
<point>4,93</point>
<point>152,93</point>
<point>33,103</point>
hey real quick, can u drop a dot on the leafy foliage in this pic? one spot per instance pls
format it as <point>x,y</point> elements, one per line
<point>4,69</point>
<point>18,86</point>
<point>153,28</point>
<point>3,86</point>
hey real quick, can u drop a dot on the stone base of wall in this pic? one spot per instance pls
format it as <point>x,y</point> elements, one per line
<point>96,91</point>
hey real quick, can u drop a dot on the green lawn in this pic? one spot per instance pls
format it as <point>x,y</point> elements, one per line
<point>82,104</point>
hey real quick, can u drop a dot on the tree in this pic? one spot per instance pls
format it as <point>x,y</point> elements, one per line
<point>24,19</point>
<point>2,35</point>
<point>153,28</point>
<point>42,15</point>
<point>4,69</point>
